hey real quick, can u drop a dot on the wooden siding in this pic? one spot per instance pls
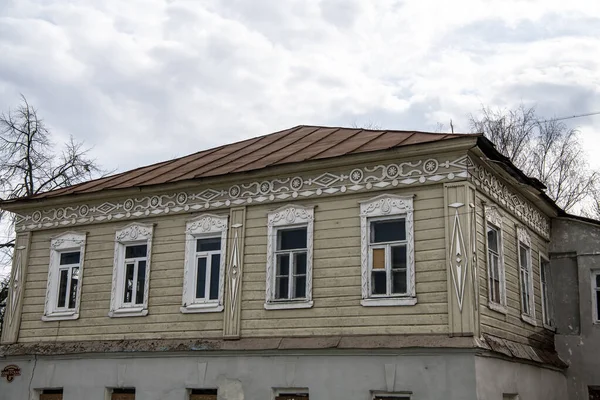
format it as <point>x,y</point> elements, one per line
<point>337,274</point>
<point>510,326</point>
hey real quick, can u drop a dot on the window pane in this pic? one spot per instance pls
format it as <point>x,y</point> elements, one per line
<point>524,300</point>
<point>208,244</point>
<point>214,276</point>
<point>388,231</point>
<point>300,263</point>
<point>281,287</point>
<point>201,278</point>
<point>399,281</point>
<point>598,281</point>
<point>398,257</point>
<point>379,259</point>
<point>127,297</point>
<point>136,251</point>
<point>492,237</point>
<point>69,258</point>
<point>73,289</point>
<point>524,256</point>
<point>598,306</point>
<point>289,239</point>
<point>141,282</point>
<point>543,267</point>
<point>283,264</point>
<point>300,287</point>
<point>62,288</point>
<point>378,282</point>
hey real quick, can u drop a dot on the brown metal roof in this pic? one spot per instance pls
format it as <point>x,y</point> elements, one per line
<point>293,145</point>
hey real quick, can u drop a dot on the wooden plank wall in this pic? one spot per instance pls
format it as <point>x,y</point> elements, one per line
<point>336,282</point>
<point>510,326</point>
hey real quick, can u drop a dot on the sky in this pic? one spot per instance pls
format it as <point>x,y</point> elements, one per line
<point>143,81</point>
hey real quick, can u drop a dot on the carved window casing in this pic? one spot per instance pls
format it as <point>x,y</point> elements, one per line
<point>289,257</point>
<point>204,268</point>
<point>495,260</point>
<point>131,271</point>
<point>65,273</point>
<point>525,276</point>
<point>387,250</point>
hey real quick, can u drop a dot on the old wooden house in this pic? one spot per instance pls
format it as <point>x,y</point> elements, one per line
<point>314,262</point>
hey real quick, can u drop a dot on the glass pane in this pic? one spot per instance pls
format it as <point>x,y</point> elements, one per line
<point>141,282</point>
<point>524,256</point>
<point>208,244</point>
<point>378,282</point>
<point>127,297</point>
<point>379,259</point>
<point>598,281</point>
<point>281,287</point>
<point>289,239</point>
<point>300,263</point>
<point>494,266</point>
<point>73,289</point>
<point>300,287</point>
<point>398,257</point>
<point>136,251</point>
<point>543,271</point>
<point>201,278</point>
<point>597,306</point>
<point>283,264</point>
<point>214,276</point>
<point>524,300</point>
<point>69,258</point>
<point>495,290</point>
<point>492,237</point>
<point>62,288</point>
<point>388,231</point>
<point>399,281</point>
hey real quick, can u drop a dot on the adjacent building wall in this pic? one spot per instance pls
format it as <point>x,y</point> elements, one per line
<point>575,253</point>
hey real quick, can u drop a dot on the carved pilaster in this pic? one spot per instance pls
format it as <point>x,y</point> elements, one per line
<point>14,305</point>
<point>235,264</point>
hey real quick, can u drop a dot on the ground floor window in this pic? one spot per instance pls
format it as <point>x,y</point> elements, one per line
<point>51,394</point>
<point>291,394</point>
<point>203,394</point>
<point>594,392</point>
<point>507,396</point>
<point>123,394</point>
<point>391,396</point>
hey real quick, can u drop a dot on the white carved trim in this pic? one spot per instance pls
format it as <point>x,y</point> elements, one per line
<point>203,226</point>
<point>523,236</point>
<point>68,241</point>
<point>459,259</point>
<point>290,215</point>
<point>382,206</point>
<point>135,233</point>
<point>234,268</point>
<point>494,217</point>
<point>364,179</point>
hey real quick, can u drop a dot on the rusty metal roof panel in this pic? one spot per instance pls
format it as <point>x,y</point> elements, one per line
<point>288,146</point>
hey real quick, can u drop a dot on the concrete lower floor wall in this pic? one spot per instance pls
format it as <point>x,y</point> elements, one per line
<point>582,354</point>
<point>499,379</point>
<point>426,375</point>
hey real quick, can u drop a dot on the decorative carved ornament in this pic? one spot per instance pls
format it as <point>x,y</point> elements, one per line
<point>234,268</point>
<point>381,206</point>
<point>202,225</point>
<point>16,287</point>
<point>459,259</point>
<point>522,208</point>
<point>523,236</point>
<point>289,215</point>
<point>10,371</point>
<point>493,216</point>
<point>369,178</point>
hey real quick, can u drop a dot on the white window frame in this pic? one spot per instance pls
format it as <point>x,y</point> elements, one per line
<point>289,391</point>
<point>133,234</point>
<point>493,219</point>
<point>546,291</point>
<point>387,206</point>
<point>595,292</point>
<point>204,226</point>
<point>524,239</point>
<point>288,217</point>
<point>64,243</point>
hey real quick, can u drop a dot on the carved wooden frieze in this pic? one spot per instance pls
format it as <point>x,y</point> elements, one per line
<point>369,178</point>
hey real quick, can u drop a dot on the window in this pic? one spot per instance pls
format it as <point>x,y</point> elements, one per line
<point>596,295</point>
<point>63,288</point>
<point>289,258</point>
<point>204,268</point>
<point>594,392</point>
<point>203,394</point>
<point>547,309</point>
<point>387,254</point>
<point>391,397</point>
<point>525,276</point>
<point>495,260</point>
<point>122,394</point>
<point>291,394</point>
<point>51,394</point>
<point>131,271</point>
<point>506,396</point>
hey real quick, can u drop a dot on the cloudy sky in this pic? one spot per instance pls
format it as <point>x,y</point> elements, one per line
<point>147,80</point>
